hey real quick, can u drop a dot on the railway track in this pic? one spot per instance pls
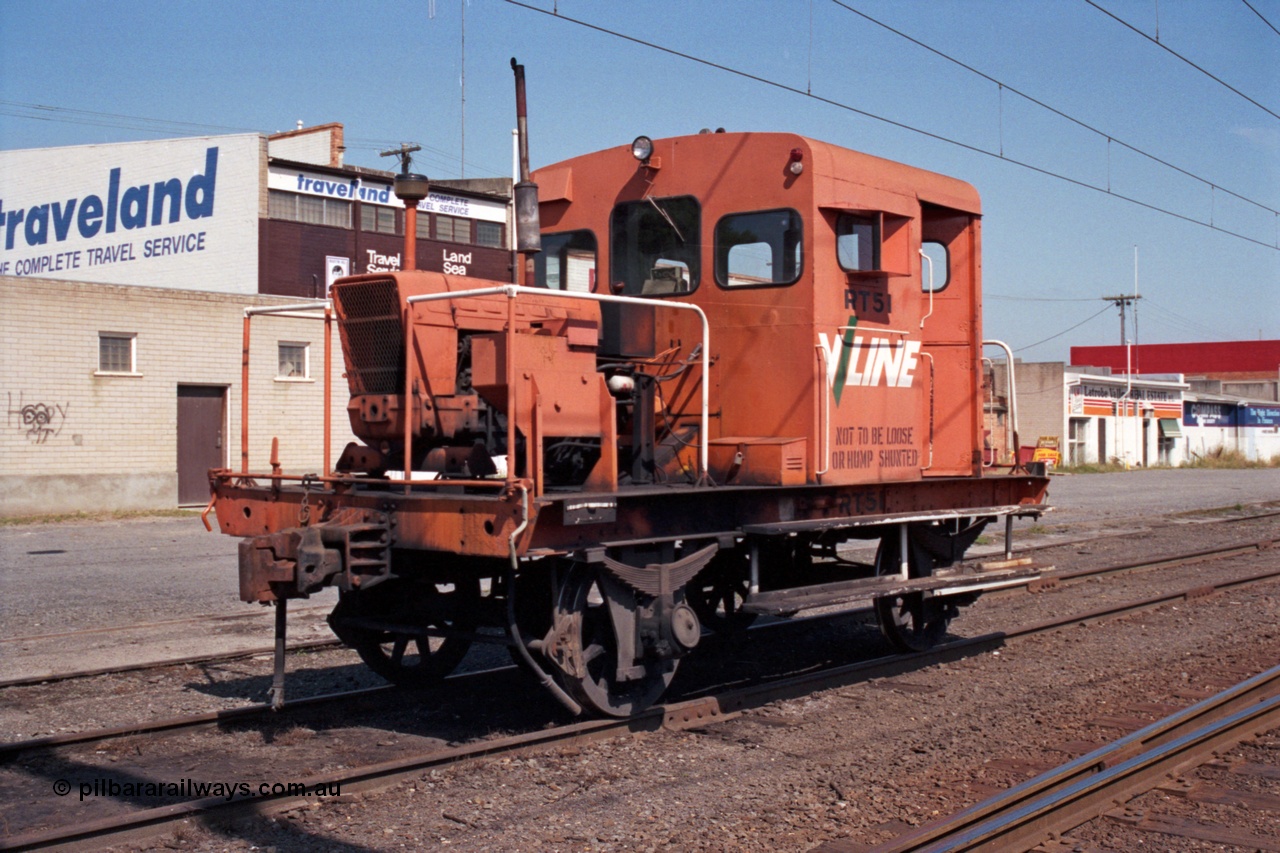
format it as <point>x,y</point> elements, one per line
<point>462,681</point>
<point>1092,785</point>
<point>689,714</point>
<point>313,645</point>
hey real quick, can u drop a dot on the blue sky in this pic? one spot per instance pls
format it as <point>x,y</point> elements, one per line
<point>393,71</point>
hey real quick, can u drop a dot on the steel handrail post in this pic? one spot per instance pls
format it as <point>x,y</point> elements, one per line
<point>511,390</point>
<point>1012,426</point>
<point>328,387</point>
<point>244,397</point>
<point>406,408</point>
<point>244,369</point>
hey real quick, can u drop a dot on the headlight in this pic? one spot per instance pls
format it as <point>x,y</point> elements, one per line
<point>642,148</point>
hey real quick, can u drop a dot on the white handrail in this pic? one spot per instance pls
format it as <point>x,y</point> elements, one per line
<point>511,291</point>
<point>1013,396</point>
<point>284,309</point>
<point>824,405</point>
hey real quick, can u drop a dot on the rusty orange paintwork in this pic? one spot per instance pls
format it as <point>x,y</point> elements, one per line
<point>849,396</point>
<point>767,380</point>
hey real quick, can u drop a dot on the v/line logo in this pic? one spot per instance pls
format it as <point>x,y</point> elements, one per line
<point>854,359</point>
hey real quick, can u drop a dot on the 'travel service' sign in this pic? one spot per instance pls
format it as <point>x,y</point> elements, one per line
<point>357,189</point>
<point>171,213</point>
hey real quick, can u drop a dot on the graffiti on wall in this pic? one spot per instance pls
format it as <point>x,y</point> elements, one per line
<point>40,421</point>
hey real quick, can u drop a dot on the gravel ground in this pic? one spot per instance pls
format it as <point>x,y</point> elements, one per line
<point>126,575</point>
<point>854,763</point>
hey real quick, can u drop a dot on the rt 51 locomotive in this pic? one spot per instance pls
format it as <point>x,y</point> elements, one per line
<point>733,353</point>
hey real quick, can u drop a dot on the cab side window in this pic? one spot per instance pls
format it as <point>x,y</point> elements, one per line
<point>858,242</point>
<point>567,261</point>
<point>935,266</point>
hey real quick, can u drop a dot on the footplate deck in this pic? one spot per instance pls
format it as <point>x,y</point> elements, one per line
<point>862,592</point>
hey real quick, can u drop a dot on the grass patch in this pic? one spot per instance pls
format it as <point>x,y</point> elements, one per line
<point>1230,459</point>
<point>1090,468</point>
<point>105,515</point>
<point>1223,459</point>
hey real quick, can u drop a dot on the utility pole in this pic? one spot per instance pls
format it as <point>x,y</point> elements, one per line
<point>404,152</point>
<point>1123,303</point>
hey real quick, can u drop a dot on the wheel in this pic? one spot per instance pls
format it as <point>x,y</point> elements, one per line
<point>911,622</point>
<point>717,592</point>
<point>597,687</point>
<point>395,628</point>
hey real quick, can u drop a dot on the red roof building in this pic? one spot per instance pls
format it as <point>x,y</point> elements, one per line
<point>1228,360</point>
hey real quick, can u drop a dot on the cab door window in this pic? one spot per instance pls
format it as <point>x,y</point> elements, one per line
<point>656,243</point>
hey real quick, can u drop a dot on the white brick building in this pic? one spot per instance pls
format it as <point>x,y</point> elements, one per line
<point>96,379</point>
<point>125,270</point>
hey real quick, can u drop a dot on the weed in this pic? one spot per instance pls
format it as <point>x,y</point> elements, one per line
<point>105,515</point>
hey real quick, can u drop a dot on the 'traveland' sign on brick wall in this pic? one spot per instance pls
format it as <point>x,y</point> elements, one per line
<point>178,213</point>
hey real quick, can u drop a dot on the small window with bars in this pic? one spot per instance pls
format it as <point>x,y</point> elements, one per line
<point>308,209</point>
<point>117,353</point>
<point>452,229</point>
<point>489,234</point>
<point>294,360</point>
<point>380,220</point>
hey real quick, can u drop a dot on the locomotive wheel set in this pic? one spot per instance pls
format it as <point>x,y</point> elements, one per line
<point>729,354</point>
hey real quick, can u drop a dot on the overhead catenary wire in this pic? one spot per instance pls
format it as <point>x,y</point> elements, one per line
<point>1003,86</point>
<point>1173,52</point>
<point>898,124</point>
<point>1262,16</point>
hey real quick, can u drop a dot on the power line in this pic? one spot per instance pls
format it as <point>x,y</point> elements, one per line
<point>1038,298</point>
<point>892,122</point>
<point>1162,46</point>
<point>1078,122</point>
<point>1260,15</point>
<point>1063,332</point>
<point>1192,326</point>
<point>143,124</point>
<point>47,112</point>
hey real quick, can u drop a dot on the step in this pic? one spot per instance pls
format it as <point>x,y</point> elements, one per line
<point>863,592</point>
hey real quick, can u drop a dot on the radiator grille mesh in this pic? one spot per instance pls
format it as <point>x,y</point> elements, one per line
<point>372,341</point>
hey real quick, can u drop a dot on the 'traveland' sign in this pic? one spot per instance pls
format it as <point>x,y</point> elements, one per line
<point>368,192</point>
<point>169,213</point>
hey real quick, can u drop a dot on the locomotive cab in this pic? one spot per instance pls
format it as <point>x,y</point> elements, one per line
<point>840,353</point>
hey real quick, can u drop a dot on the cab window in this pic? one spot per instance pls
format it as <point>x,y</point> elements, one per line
<point>655,246</point>
<point>858,242</point>
<point>935,266</point>
<point>759,249</point>
<point>567,261</point>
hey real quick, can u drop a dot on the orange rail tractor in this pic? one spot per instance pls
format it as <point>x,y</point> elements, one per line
<point>731,353</point>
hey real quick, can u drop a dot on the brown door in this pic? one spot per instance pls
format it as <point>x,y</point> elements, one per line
<point>200,420</point>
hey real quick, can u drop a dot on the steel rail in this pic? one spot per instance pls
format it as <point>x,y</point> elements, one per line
<point>161,623</point>
<point>691,713</point>
<point>1087,787</point>
<point>317,644</point>
<point>309,645</point>
<point>189,660</point>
